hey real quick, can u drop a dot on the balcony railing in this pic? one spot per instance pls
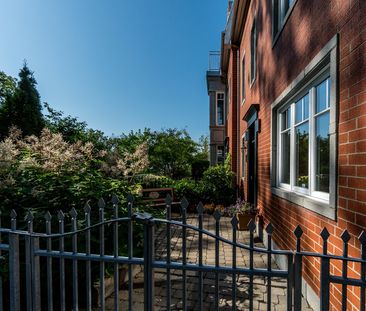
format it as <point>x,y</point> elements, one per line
<point>214,61</point>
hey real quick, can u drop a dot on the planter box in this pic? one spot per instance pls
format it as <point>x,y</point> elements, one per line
<point>243,220</point>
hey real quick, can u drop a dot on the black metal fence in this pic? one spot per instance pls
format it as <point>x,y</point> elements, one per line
<point>55,261</point>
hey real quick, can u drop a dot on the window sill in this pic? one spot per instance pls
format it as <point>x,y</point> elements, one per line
<point>315,205</point>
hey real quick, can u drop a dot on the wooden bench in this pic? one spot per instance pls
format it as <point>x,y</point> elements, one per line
<point>156,197</point>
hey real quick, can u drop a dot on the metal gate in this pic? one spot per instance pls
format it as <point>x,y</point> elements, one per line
<point>54,257</point>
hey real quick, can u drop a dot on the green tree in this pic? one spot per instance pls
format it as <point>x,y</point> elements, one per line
<point>7,86</point>
<point>23,108</point>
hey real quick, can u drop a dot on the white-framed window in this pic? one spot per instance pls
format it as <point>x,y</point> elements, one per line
<point>243,79</point>
<point>220,107</point>
<point>281,10</point>
<point>253,52</point>
<point>220,154</point>
<point>303,136</point>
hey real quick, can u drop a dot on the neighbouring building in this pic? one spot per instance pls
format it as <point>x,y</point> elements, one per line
<point>293,73</point>
<point>216,92</point>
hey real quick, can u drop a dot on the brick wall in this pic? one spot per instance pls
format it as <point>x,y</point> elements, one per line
<point>311,25</point>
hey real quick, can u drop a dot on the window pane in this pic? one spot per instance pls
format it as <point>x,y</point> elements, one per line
<point>285,159</point>
<point>220,112</point>
<point>306,106</point>
<point>321,96</point>
<point>243,78</point>
<point>302,109</point>
<point>302,155</point>
<point>322,153</point>
<point>298,111</point>
<point>286,119</point>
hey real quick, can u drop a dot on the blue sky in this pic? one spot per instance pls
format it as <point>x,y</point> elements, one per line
<point>119,65</point>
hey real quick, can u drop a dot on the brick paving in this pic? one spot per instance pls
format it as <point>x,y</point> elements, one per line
<point>279,286</point>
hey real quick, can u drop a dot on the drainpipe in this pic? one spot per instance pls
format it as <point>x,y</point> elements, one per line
<point>238,119</point>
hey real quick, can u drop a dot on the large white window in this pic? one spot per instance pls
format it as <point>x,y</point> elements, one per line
<point>220,104</point>
<point>303,136</point>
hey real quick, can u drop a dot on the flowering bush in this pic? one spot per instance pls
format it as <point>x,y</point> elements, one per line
<point>240,207</point>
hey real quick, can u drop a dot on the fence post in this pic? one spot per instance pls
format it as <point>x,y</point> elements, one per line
<point>298,270</point>
<point>324,273</point>
<point>149,256</point>
<point>14,265</point>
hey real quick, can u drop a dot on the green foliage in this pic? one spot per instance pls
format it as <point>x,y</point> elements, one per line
<point>7,86</point>
<point>22,108</point>
<point>73,130</point>
<point>190,189</point>
<point>199,166</point>
<point>218,185</point>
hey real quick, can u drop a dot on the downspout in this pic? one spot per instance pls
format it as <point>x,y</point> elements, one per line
<point>238,120</point>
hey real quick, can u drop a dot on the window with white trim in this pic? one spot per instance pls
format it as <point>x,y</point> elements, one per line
<point>253,52</point>
<point>243,79</point>
<point>281,9</point>
<point>220,104</point>
<point>220,154</point>
<point>304,141</point>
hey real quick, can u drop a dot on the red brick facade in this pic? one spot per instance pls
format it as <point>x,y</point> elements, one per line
<point>309,27</point>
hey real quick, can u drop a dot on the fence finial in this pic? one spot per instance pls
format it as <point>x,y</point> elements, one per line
<point>362,238</point>
<point>251,225</point>
<point>48,216</point>
<point>101,203</point>
<point>13,214</point>
<point>130,198</point>
<point>217,215</point>
<point>200,208</point>
<point>73,213</point>
<point>269,229</point>
<point>87,208</point>
<point>60,215</point>
<point>345,236</point>
<point>29,216</point>
<point>234,222</point>
<point>168,199</point>
<point>298,232</point>
<point>184,203</point>
<point>325,234</point>
<point>115,200</point>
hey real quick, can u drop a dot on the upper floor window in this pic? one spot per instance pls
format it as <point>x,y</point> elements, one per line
<point>243,79</point>
<point>220,101</point>
<point>253,52</point>
<point>281,9</point>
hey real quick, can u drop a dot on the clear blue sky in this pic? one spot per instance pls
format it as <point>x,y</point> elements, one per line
<point>119,65</point>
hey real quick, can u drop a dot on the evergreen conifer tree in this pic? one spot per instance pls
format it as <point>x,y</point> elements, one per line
<point>23,108</point>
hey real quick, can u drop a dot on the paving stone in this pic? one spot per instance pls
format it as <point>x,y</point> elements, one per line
<point>279,286</point>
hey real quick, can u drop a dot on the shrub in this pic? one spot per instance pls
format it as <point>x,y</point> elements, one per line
<point>217,185</point>
<point>198,168</point>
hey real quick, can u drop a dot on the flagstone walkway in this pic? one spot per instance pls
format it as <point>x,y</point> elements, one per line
<point>279,286</point>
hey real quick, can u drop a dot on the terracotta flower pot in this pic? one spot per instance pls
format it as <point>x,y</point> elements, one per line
<point>243,220</point>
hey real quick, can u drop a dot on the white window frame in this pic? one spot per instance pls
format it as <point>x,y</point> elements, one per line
<point>310,90</point>
<point>322,65</point>
<point>242,74</point>
<point>253,52</point>
<point>223,108</point>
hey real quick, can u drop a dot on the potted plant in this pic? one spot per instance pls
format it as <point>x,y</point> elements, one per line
<point>243,211</point>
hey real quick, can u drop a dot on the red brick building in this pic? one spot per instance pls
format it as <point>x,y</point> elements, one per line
<point>295,76</point>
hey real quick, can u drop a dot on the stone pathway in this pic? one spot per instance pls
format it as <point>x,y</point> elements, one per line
<point>279,286</point>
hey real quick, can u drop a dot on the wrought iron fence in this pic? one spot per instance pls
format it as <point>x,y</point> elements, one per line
<point>10,238</point>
